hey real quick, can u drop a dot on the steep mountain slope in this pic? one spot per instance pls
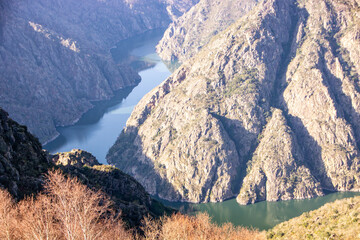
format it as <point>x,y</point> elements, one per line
<point>22,161</point>
<point>55,55</point>
<point>277,170</point>
<point>338,220</point>
<point>188,34</point>
<point>23,164</point>
<point>176,8</point>
<point>193,134</point>
<point>208,132</point>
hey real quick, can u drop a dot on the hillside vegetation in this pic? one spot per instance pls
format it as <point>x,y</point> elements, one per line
<point>337,220</point>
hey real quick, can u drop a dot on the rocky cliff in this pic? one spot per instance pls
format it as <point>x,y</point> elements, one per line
<point>176,8</point>
<point>268,109</point>
<point>277,170</point>
<point>55,57</point>
<point>23,164</point>
<point>189,33</point>
<point>22,160</point>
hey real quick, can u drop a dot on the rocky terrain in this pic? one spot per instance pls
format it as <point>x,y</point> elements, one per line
<point>22,160</point>
<point>268,110</point>
<point>23,164</point>
<point>189,33</point>
<point>127,194</point>
<point>55,57</point>
<point>176,8</point>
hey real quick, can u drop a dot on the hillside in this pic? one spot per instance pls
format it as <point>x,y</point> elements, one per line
<point>55,59</point>
<point>338,220</point>
<point>268,110</point>
<point>23,165</point>
<point>189,33</point>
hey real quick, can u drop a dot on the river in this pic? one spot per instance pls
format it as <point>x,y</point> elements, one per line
<point>98,129</point>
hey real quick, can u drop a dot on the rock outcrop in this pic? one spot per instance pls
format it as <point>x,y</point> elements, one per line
<point>55,57</point>
<point>22,160</point>
<point>194,137</point>
<point>189,33</point>
<point>127,194</point>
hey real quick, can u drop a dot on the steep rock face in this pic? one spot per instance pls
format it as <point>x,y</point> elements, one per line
<point>55,56</point>
<point>195,133</point>
<point>321,95</point>
<point>128,195</point>
<point>177,8</point>
<point>189,33</point>
<point>22,160</point>
<point>276,170</point>
<point>189,138</point>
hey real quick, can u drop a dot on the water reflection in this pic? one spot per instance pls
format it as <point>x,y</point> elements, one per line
<point>98,129</point>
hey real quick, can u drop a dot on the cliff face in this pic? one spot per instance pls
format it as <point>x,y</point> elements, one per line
<point>55,56</point>
<point>277,170</point>
<point>23,164</point>
<point>22,160</point>
<point>189,33</point>
<point>193,133</point>
<point>176,8</point>
<point>209,131</point>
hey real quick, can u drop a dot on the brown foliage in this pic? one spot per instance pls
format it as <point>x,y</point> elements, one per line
<point>68,210</point>
<point>7,214</point>
<point>195,228</point>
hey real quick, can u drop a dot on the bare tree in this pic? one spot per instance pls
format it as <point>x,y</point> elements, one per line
<point>36,219</point>
<point>7,213</point>
<point>79,210</point>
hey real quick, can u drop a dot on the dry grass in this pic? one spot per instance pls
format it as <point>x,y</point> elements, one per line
<point>197,227</point>
<point>337,220</point>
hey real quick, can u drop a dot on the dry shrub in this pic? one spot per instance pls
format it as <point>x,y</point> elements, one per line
<point>195,227</point>
<point>7,213</point>
<point>36,219</point>
<point>68,210</point>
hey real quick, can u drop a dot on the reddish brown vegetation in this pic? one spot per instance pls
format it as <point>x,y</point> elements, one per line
<point>182,227</point>
<point>70,210</point>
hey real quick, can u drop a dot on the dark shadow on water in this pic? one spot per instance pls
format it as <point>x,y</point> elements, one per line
<point>95,114</point>
<point>91,117</point>
<point>138,52</point>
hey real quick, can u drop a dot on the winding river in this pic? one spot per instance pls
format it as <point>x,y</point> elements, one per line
<point>98,129</point>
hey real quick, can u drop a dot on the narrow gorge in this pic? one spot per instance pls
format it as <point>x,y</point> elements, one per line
<point>55,55</point>
<point>267,110</point>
